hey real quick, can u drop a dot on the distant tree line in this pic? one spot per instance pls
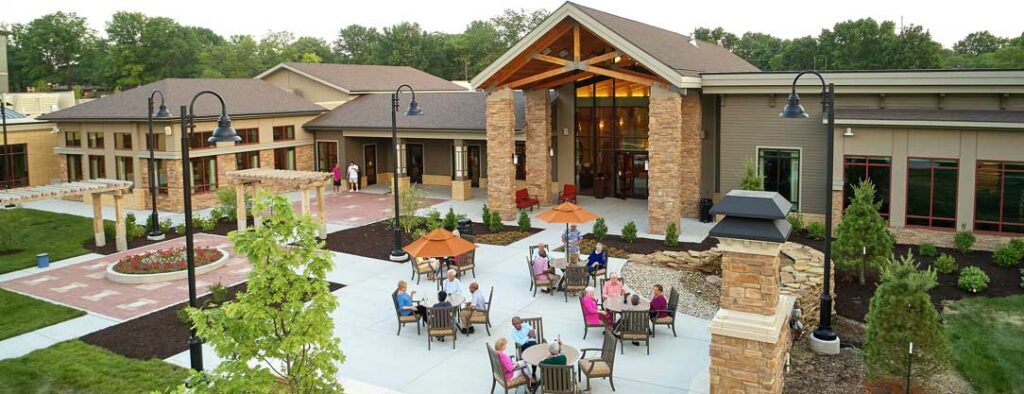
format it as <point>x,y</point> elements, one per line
<point>60,50</point>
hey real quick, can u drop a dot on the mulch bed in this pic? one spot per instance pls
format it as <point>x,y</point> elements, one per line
<point>224,227</point>
<point>376,240</point>
<point>642,245</point>
<point>160,334</point>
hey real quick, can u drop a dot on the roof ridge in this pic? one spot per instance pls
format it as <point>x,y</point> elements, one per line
<point>585,8</point>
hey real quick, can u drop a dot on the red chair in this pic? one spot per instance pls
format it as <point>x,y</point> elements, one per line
<point>568,194</point>
<point>523,199</point>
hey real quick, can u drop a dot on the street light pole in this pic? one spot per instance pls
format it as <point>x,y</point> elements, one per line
<point>223,133</point>
<point>414,109</point>
<point>7,154</point>
<point>155,234</point>
<point>824,339</point>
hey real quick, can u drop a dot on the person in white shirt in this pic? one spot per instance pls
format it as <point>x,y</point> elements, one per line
<point>452,285</point>
<point>476,305</point>
<point>353,176</point>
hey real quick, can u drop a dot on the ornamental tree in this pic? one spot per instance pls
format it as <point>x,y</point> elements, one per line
<point>278,334</point>
<point>901,312</point>
<point>751,180</point>
<point>863,240</point>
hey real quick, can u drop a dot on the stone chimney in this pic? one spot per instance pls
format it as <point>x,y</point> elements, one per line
<point>5,85</point>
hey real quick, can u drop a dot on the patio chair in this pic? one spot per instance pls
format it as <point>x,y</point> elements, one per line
<point>576,280</point>
<point>603,272</point>
<point>588,326</point>
<point>524,200</point>
<point>498,374</point>
<point>482,317</point>
<point>599,367</point>
<point>538,326</point>
<point>441,323</point>
<point>670,320</point>
<point>536,283</point>
<point>404,319</point>
<point>634,326</point>
<point>600,287</point>
<point>420,267</point>
<point>558,379</point>
<point>467,262</point>
<point>568,194</point>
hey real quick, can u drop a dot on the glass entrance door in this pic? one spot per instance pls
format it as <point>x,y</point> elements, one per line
<point>631,174</point>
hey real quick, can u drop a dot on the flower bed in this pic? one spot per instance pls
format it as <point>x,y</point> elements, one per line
<point>164,265</point>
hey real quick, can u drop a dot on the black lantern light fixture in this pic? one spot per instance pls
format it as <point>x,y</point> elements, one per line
<point>414,110</point>
<point>824,339</point>
<point>223,133</point>
<point>155,234</point>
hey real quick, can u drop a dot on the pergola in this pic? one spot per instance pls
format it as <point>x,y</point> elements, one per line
<point>303,180</point>
<point>94,187</point>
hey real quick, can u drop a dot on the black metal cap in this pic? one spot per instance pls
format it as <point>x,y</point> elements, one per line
<point>753,205</point>
<point>753,229</point>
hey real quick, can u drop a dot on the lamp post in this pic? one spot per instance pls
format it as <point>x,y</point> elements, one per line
<point>7,154</point>
<point>223,133</point>
<point>824,339</point>
<point>414,109</point>
<point>154,232</point>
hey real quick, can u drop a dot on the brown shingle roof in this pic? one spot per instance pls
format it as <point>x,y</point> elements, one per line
<point>672,49</point>
<point>456,111</point>
<point>242,97</point>
<point>362,78</point>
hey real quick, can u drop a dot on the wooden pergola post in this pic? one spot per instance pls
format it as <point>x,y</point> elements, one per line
<point>121,237</point>
<point>305,201</point>
<point>321,210</point>
<point>97,220</point>
<point>94,188</point>
<point>257,217</point>
<point>240,204</point>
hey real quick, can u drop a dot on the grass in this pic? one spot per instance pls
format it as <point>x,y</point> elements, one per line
<point>77,367</point>
<point>24,314</point>
<point>987,338</point>
<point>32,232</point>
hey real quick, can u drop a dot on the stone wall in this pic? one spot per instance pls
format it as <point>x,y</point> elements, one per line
<point>666,145</point>
<point>749,283</point>
<point>690,156</point>
<point>538,145</point>
<point>743,366</point>
<point>501,123</point>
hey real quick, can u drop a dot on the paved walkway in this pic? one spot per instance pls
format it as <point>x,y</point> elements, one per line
<point>348,210</point>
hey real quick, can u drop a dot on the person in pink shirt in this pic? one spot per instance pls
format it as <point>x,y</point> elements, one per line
<point>591,313</point>
<point>542,271</point>
<point>613,287</point>
<point>337,177</point>
<point>513,369</point>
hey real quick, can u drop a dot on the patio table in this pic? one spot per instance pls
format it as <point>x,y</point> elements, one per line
<point>562,263</point>
<point>537,353</point>
<point>615,304</point>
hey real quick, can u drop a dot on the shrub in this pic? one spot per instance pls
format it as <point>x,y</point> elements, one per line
<point>972,279</point>
<point>863,241</point>
<point>600,229</point>
<point>629,232</point>
<point>945,264</point>
<point>132,228</point>
<point>433,220</point>
<point>451,220</point>
<point>901,311</point>
<point>227,203</point>
<point>109,230</point>
<point>1022,277</point>
<point>495,225</point>
<point>524,221</point>
<point>751,180</point>
<point>964,240</point>
<point>1006,256</point>
<point>671,235</point>
<point>796,220</point>
<point>927,249</point>
<point>485,214</point>
<point>1018,245</point>
<point>816,231</point>
<point>166,226</point>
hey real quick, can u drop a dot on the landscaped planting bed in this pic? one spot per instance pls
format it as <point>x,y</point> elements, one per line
<point>376,240</point>
<point>618,247</point>
<point>223,227</point>
<point>165,260</point>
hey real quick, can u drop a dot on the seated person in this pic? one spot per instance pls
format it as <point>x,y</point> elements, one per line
<point>476,304</point>
<point>522,333</point>
<point>405,305</point>
<point>555,356</point>
<point>659,305</point>
<point>598,260</point>
<point>543,271</point>
<point>536,251</point>
<point>613,287</point>
<point>452,285</point>
<point>431,262</point>
<point>591,314</point>
<point>512,369</point>
<point>442,302</point>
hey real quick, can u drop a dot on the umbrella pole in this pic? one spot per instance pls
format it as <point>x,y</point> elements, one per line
<point>565,240</point>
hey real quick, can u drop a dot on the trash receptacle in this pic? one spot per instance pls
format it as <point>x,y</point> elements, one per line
<point>465,227</point>
<point>705,210</point>
<point>43,260</point>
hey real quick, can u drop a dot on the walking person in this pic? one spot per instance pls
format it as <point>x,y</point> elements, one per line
<point>353,176</point>
<point>336,171</point>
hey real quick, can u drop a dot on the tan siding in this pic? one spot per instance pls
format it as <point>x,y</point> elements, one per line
<point>864,101</point>
<point>937,144</point>
<point>1015,102</point>
<point>306,88</point>
<point>1000,145</point>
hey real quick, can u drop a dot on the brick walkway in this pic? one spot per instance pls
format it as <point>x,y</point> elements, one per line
<point>357,209</point>
<point>84,285</point>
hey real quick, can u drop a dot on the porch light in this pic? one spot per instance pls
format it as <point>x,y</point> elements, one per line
<point>551,152</point>
<point>414,108</point>
<point>224,132</point>
<point>849,132</point>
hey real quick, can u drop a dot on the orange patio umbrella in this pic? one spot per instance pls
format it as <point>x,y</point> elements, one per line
<point>439,243</point>
<point>567,213</point>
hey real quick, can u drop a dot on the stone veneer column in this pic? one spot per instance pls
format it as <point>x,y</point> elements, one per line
<point>690,155</point>
<point>665,148</point>
<point>501,124</point>
<point>304,158</point>
<point>538,145</point>
<point>462,186</point>
<point>225,163</point>
<point>750,335</point>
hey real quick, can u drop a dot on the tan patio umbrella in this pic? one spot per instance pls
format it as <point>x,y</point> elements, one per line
<point>439,243</point>
<point>567,213</point>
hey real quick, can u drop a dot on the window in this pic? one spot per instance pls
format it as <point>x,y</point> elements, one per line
<point>327,155</point>
<point>125,168</point>
<point>201,140</point>
<point>877,169</point>
<point>284,158</point>
<point>520,160</point>
<point>204,174</point>
<point>95,140</point>
<point>74,168</point>
<point>161,177</point>
<point>999,197</point>
<point>284,133</point>
<point>931,193</point>
<point>73,139</point>
<point>780,169</point>
<point>17,175</point>
<point>247,160</point>
<point>161,142</point>
<point>122,141</point>
<point>248,136</point>
<point>97,167</point>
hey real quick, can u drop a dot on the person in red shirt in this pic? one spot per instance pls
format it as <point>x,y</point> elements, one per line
<point>659,305</point>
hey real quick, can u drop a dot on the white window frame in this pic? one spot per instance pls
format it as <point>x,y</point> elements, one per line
<point>799,168</point>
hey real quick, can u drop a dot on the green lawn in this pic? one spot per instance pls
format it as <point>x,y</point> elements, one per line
<point>76,367</point>
<point>23,314</point>
<point>987,337</point>
<point>35,232</point>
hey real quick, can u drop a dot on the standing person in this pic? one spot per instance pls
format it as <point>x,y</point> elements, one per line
<point>477,304</point>
<point>353,176</point>
<point>572,238</point>
<point>336,171</point>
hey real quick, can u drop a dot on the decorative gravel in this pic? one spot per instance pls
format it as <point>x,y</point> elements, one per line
<point>697,297</point>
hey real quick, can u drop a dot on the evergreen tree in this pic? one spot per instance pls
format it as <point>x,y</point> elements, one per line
<point>901,312</point>
<point>751,179</point>
<point>863,240</point>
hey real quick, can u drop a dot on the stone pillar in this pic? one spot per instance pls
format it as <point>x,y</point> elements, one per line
<point>267,158</point>
<point>462,186</point>
<point>226,163</point>
<point>690,160</point>
<point>97,220</point>
<point>240,204</point>
<point>665,143</point>
<point>538,145</point>
<point>501,124</point>
<point>304,158</point>
<point>121,237</point>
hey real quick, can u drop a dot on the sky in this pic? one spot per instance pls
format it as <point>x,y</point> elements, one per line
<point>947,24</point>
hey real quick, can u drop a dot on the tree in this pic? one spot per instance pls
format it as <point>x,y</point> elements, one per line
<point>798,54</point>
<point>513,24</point>
<point>52,47</point>
<point>901,312</point>
<point>914,48</point>
<point>758,48</point>
<point>717,36</point>
<point>863,239</point>
<point>317,47</point>
<point>357,44</point>
<point>979,42</point>
<point>280,326</point>
<point>236,58</point>
<point>477,46</point>
<point>751,180</point>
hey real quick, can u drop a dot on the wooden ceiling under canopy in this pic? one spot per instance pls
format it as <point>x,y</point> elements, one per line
<point>568,53</point>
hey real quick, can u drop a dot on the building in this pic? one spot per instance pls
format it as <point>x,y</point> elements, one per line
<point>29,150</point>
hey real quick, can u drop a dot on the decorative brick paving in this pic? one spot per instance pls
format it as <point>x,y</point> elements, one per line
<point>84,285</point>
<point>357,209</point>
